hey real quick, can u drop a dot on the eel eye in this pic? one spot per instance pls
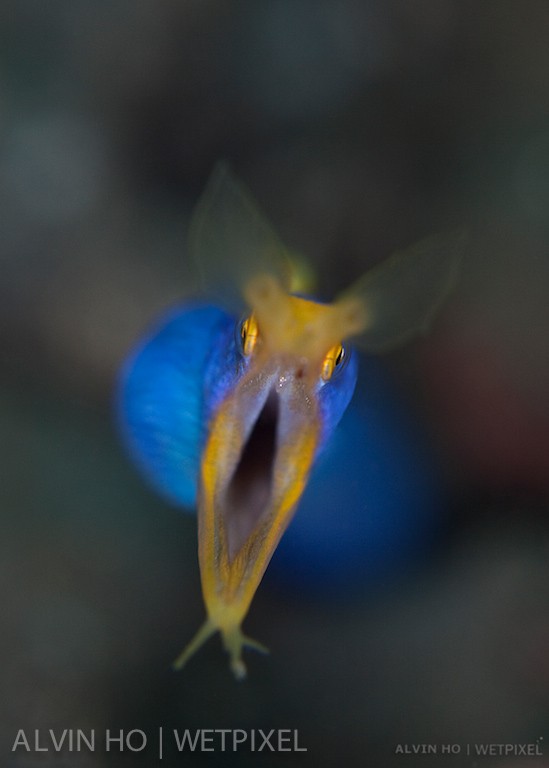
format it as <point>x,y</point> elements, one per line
<point>333,360</point>
<point>249,333</point>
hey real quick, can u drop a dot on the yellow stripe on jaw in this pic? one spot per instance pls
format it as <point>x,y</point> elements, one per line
<point>229,583</point>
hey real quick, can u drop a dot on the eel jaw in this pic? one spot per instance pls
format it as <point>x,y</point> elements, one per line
<point>249,490</point>
<point>261,446</point>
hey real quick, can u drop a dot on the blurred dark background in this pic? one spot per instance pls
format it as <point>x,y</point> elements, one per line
<point>360,128</point>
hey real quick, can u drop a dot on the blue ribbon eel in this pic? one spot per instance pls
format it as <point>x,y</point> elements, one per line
<point>228,411</point>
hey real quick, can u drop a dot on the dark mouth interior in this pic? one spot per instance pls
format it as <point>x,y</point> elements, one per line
<point>250,487</point>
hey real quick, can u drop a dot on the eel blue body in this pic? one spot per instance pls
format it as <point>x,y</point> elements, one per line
<point>372,498</point>
<point>175,380</point>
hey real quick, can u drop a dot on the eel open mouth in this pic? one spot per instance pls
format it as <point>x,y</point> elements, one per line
<point>249,490</point>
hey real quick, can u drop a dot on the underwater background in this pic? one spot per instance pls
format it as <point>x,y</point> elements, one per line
<point>360,128</point>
